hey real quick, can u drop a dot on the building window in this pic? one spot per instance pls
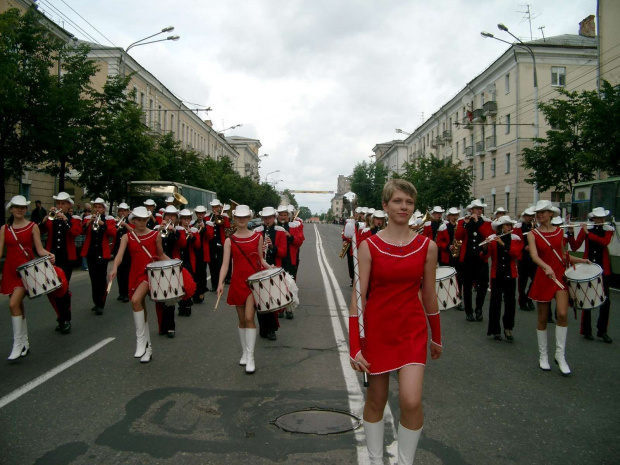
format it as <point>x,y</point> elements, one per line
<point>507,207</point>
<point>507,163</point>
<point>457,148</point>
<point>165,120</point>
<point>493,168</point>
<point>493,202</point>
<point>558,76</point>
<point>507,123</point>
<point>557,196</point>
<point>463,145</point>
<point>507,83</point>
<point>481,170</point>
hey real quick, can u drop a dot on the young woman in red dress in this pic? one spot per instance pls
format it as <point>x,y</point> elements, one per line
<point>144,246</point>
<point>18,231</point>
<point>246,248</point>
<point>548,251</point>
<point>395,264</point>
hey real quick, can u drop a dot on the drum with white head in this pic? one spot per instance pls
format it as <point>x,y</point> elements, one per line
<point>447,288</point>
<point>270,290</point>
<point>585,286</point>
<point>166,281</point>
<point>39,277</point>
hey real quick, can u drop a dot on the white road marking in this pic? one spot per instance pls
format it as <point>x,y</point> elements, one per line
<point>53,372</point>
<point>354,387</point>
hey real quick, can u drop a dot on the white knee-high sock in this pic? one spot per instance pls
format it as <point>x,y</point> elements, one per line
<point>374,441</point>
<point>407,444</point>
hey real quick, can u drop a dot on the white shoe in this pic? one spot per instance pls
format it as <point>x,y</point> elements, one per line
<point>26,348</point>
<point>560,348</point>
<point>148,353</point>
<point>138,318</point>
<point>244,347</point>
<point>18,342</point>
<point>543,358</point>
<point>250,339</point>
<point>407,444</point>
<point>374,441</point>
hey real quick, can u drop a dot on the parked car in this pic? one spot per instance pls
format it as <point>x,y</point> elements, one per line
<point>254,223</point>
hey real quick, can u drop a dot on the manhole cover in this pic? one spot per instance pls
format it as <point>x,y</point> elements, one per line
<point>317,421</point>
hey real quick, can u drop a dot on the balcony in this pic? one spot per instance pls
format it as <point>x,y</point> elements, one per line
<point>480,148</point>
<point>491,145</point>
<point>469,152</point>
<point>478,115</point>
<point>447,136</point>
<point>489,108</point>
<point>467,123</point>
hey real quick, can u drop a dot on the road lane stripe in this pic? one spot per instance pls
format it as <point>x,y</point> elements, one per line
<point>53,372</point>
<point>356,396</point>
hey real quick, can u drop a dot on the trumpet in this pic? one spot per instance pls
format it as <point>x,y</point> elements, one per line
<point>165,232</point>
<point>120,220</point>
<point>345,249</point>
<point>52,214</point>
<point>95,223</point>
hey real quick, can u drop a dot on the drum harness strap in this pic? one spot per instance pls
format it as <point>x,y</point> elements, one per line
<point>18,243</point>
<point>142,245</point>
<point>232,239</point>
<point>537,232</point>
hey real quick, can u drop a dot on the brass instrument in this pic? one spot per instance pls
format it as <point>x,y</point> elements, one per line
<point>427,217</point>
<point>165,232</point>
<point>95,223</point>
<point>52,214</point>
<point>219,220</point>
<point>119,221</point>
<point>455,248</point>
<point>179,199</point>
<point>345,249</point>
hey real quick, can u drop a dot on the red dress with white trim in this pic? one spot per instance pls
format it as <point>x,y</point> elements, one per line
<point>543,289</point>
<point>395,323</point>
<point>15,257</point>
<point>244,264</point>
<point>139,258</point>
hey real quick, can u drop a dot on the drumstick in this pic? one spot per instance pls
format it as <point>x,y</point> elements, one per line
<point>107,291</point>
<point>558,283</point>
<point>218,301</point>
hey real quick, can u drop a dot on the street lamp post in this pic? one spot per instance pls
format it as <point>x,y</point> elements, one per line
<point>267,175</point>
<point>528,49</point>
<point>137,43</point>
<point>400,131</point>
<point>232,127</point>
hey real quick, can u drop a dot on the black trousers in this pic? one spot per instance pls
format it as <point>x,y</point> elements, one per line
<point>165,317</point>
<point>502,287</point>
<point>122,276</point>
<point>474,270</point>
<point>527,271</point>
<point>98,272</point>
<point>62,305</point>
<point>215,265</point>
<point>201,277</point>
<point>350,264</point>
<point>267,322</point>
<point>603,315</point>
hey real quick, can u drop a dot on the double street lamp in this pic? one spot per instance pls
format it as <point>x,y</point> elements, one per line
<point>525,47</point>
<point>137,43</point>
<point>267,175</point>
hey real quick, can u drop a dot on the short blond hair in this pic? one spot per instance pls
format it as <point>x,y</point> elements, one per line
<point>394,185</point>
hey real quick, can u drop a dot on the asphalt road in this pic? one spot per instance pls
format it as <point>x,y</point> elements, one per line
<point>485,401</point>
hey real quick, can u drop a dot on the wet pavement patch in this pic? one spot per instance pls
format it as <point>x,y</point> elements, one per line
<point>317,421</point>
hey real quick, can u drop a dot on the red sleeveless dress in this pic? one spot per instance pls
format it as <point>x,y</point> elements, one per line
<point>543,289</point>
<point>139,258</point>
<point>15,257</point>
<point>243,267</point>
<point>395,324</point>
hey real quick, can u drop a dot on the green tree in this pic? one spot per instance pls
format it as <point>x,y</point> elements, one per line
<point>585,138</point>
<point>179,165</point>
<point>304,213</point>
<point>291,198</point>
<point>439,182</point>
<point>367,183</point>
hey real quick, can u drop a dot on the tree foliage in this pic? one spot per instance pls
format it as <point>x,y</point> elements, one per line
<point>585,138</point>
<point>439,182</point>
<point>291,198</point>
<point>305,213</point>
<point>367,183</point>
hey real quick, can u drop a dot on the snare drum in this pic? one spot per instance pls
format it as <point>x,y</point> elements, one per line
<point>39,277</point>
<point>447,288</point>
<point>166,281</point>
<point>585,286</point>
<point>270,290</point>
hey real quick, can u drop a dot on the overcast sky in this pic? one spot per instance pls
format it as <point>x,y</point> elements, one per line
<point>319,82</point>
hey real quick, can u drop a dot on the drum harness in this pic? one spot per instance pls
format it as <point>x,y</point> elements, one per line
<point>19,243</point>
<point>232,239</point>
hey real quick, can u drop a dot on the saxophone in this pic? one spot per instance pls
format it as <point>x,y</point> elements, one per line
<point>455,248</point>
<point>345,249</point>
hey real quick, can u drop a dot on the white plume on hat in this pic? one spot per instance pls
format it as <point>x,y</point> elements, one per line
<point>18,201</point>
<point>242,211</point>
<point>63,196</point>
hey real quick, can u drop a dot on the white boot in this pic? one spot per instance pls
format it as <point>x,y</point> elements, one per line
<point>18,343</point>
<point>374,441</point>
<point>250,340</point>
<point>407,444</point>
<point>543,358</point>
<point>138,318</point>
<point>148,353</point>
<point>26,348</point>
<point>244,347</point>
<point>560,348</point>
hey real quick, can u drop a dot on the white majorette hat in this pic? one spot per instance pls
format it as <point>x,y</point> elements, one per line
<point>170,200</point>
<point>123,205</point>
<point>291,208</point>
<point>268,211</point>
<point>543,205</point>
<point>437,209</point>
<point>150,202</point>
<point>417,214</point>
<point>556,211</point>
<point>140,212</point>
<point>412,220</point>
<point>500,210</point>
<point>379,214</point>
<point>502,220</point>
<point>364,210</point>
<point>370,211</point>
<point>283,209</point>
<point>215,203</point>
<point>99,200</point>
<point>185,212</point>
<point>242,211</point>
<point>557,221</point>
<point>598,212</point>
<point>171,209</point>
<point>226,207</point>
<point>200,209</point>
<point>63,196</point>
<point>358,210</point>
<point>529,211</point>
<point>453,211</point>
<point>477,203</point>
<point>18,201</point>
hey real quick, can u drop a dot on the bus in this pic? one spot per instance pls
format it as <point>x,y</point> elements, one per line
<point>139,191</point>
<point>602,193</point>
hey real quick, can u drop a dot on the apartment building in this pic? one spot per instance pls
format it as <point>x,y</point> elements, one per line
<point>344,184</point>
<point>248,159</point>
<point>607,14</point>
<point>489,122</point>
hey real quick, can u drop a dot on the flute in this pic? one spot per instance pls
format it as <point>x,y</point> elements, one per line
<point>493,238</point>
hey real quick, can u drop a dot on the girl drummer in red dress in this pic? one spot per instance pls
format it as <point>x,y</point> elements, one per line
<point>246,248</point>
<point>18,231</point>
<point>394,265</point>
<point>144,246</point>
<point>548,252</point>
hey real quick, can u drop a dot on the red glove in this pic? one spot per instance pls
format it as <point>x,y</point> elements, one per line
<point>435,324</point>
<point>354,337</point>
